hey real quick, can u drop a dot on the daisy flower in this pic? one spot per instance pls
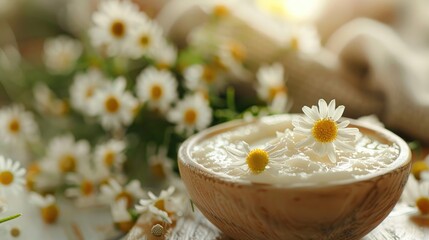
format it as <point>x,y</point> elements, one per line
<point>193,112</point>
<point>60,54</point>
<point>114,105</point>
<point>271,81</point>
<point>231,56</point>
<point>86,183</point>
<point>160,164</point>
<point>121,216</point>
<point>256,159</point>
<point>417,194</point>
<point>158,205</point>
<point>420,169</point>
<point>11,176</point>
<point>17,125</point>
<point>143,38</point>
<point>157,87</point>
<point>324,134</point>
<point>113,191</point>
<point>48,207</point>
<point>113,23</point>
<point>164,54</point>
<point>304,39</point>
<point>83,88</point>
<point>110,154</point>
<point>202,77</point>
<point>64,154</point>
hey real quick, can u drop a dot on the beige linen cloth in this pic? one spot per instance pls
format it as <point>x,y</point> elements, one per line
<point>365,66</point>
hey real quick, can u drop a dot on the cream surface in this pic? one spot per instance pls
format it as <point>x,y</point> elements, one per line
<point>298,165</point>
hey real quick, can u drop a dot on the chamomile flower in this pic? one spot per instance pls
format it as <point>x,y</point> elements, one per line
<point>113,191</point>
<point>86,183</point>
<point>113,23</point>
<point>114,105</point>
<point>64,154</point>
<point>158,88</point>
<point>164,54</point>
<point>61,54</point>
<point>160,164</point>
<point>17,125</point>
<point>121,217</point>
<point>324,134</point>
<point>83,88</point>
<point>304,39</point>
<point>48,206</point>
<point>256,159</point>
<point>191,113</point>
<point>271,81</point>
<point>232,55</point>
<point>11,176</point>
<point>420,169</point>
<point>202,77</point>
<point>158,205</point>
<point>417,194</point>
<point>144,38</point>
<point>110,154</point>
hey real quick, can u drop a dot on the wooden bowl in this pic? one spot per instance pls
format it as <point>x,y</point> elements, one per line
<point>346,209</point>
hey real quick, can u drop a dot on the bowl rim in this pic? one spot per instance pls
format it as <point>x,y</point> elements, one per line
<point>184,156</point>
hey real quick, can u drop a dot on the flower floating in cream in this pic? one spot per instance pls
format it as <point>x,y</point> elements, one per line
<point>324,133</point>
<point>256,159</point>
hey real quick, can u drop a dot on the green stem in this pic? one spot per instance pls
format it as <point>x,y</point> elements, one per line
<point>10,218</point>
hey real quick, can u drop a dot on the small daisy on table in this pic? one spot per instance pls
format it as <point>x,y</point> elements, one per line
<point>83,88</point>
<point>121,217</point>
<point>157,88</point>
<point>114,105</point>
<point>110,154</point>
<point>256,159</point>
<point>113,191</point>
<point>161,206</point>
<point>417,194</point>
<point>61,54</point>
<point>48,206</point>
<point>64,154</point>
<point>190,114</point>
<point>113,23</point>
<point>17,125</point>
<point>11,176</point>
<point>324,133</point>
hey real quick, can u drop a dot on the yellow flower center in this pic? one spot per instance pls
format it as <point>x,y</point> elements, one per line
<point>220,10</point>
<point>125,227</point>
<point>112,104</point>
<point>294,43</point>
<point>50,213</point>
<point>418,167</point>
<point>15,232</point>
<point>127,196</point>
<point>237,51</point>
<point>14,126</point>
<point>67,163</point>
<point>89,92</point>
<point>158,170</point>
<point>208,74</point>
<point>422,204</point>
<point>162,65</point>
<point>145,41</point>
<point>156,92</point>
<point>190,116</point>
<point>276,90</point>
<point>257,160</point>
<point>86,187</point>
<point>109,158</point>
<point>6,177</point>
<point>118,29</point>
<point>32,172</point>
<point>160,204</point>
<point>325,130</point>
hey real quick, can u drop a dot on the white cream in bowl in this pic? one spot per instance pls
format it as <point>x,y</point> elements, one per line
<point>298,166</point>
